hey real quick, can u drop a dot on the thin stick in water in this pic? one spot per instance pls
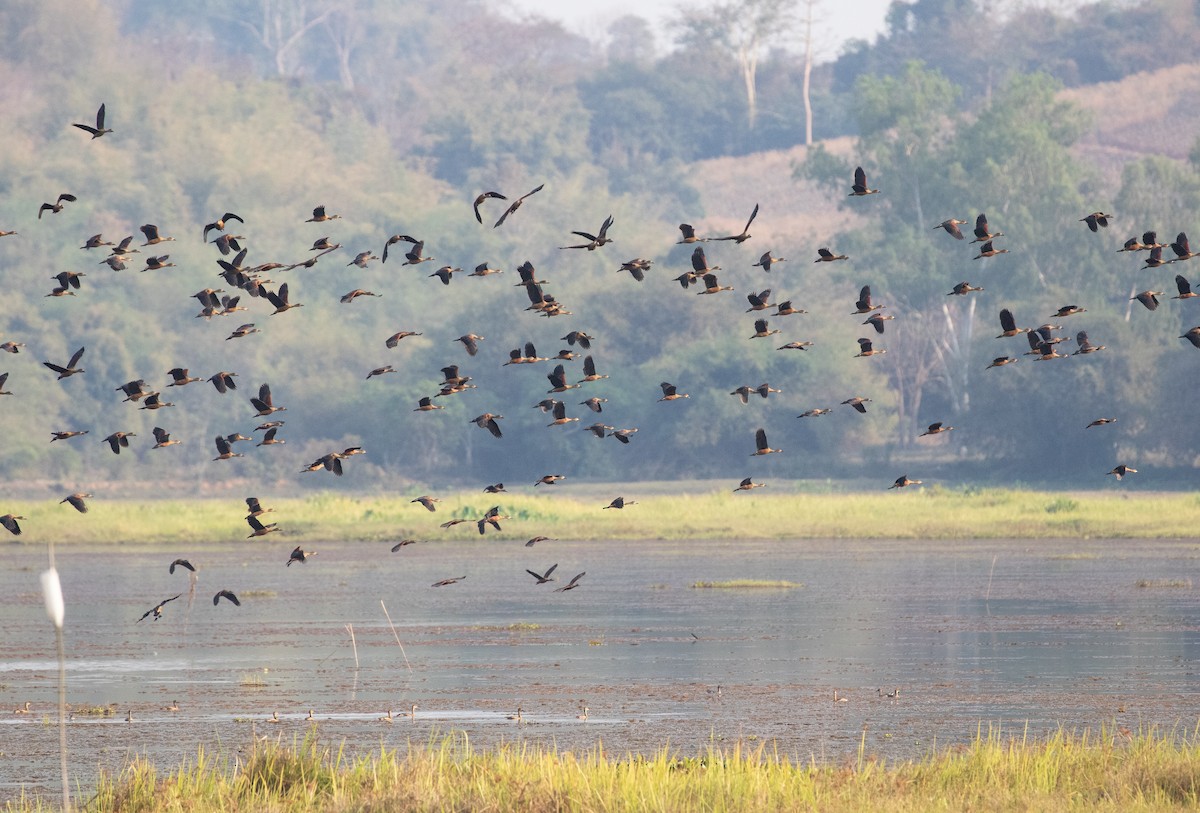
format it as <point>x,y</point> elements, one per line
<point>350,629</point>
<point>397,637</point>
<point>990,572</point>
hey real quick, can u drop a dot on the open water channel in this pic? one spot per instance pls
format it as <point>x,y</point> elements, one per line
<point>1023,636</point>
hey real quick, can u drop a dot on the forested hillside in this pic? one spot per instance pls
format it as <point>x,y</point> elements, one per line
<point>395,116</point>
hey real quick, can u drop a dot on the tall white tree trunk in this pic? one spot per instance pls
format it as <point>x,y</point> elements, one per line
<point>808,116</point>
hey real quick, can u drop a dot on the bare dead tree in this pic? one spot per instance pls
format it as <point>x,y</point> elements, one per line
<point>343,29</point>
<point>809,7</point>
<point>742,28</point>
<point>281,27</point>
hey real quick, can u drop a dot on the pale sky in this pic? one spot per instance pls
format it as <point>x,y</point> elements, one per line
<point>839,20</point>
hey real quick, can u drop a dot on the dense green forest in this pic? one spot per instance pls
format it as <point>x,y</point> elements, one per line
<point>395,115</point>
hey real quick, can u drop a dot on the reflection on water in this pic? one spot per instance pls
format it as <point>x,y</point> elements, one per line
<point>1057,634</point>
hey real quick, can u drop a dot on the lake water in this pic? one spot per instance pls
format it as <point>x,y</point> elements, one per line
<point>1020,635</point>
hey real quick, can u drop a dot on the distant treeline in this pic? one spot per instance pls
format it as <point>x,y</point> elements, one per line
<point>395,116</point>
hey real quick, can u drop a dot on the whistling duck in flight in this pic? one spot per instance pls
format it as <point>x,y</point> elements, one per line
<point>257,528</point>
<point>986,250</point>
<point>66,435</point>
<point>70,369</point>
<point>761,331</point>
<point>936,428</point>
<point>558,380</point>
<point>99,129</point>
<point>864,304</point>
<point>748,484</point>
<point>903,482</point>
<point>152,236</point>
<point>866,348</point>
<point>300,555</point>
<point>479,200</point>
<point>1009,325</point>
<point>543,578</point>
<point>1149,299</point>
<point>1155,259</point>
<point>636,268</point>
<point>1085,346</point>
<point>1181,248</point>
<point>1096,220</point>
<point>962,289</point>
<point>670,392</point>
<point>745,235</point>
<point>982,232</point>
<point>760,442</point>
<point>1100,422</point>
<point>1121,470</point>
<point>515,205</point>
<point>580,338</point>
<point>560,415</point>
<point>157,609</point>
<point>9,521</point>
<point>571,585</point>
<point>1068,310</point>
<point>118,440</point>
<point>951,227</point>
<point>226,594</point>
<point>824,255</point>
<point>395,338</point>
<point>488,421</point>
<point>471,342</point>
<point>319,216</point>
<point>876,321</point>
<point>766,261</point>
<point>219,223</point>
<point>225,450</point>
<point>77,502</point>
<point>428,502</point>
<point>596,240</point>
<point>859,187</point>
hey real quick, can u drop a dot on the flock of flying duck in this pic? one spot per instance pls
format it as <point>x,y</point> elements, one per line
<point>251,281</point>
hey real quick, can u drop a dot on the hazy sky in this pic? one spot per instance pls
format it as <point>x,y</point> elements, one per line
<point>840,19</point>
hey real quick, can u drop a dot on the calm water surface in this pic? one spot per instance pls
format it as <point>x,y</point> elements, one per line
<point>1052,634</point>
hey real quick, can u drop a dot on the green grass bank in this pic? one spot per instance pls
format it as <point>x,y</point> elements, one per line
<point>1114,771</point>
<point>579,513</point>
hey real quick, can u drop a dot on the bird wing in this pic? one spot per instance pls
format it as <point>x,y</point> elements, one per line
<point>608,221</point>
